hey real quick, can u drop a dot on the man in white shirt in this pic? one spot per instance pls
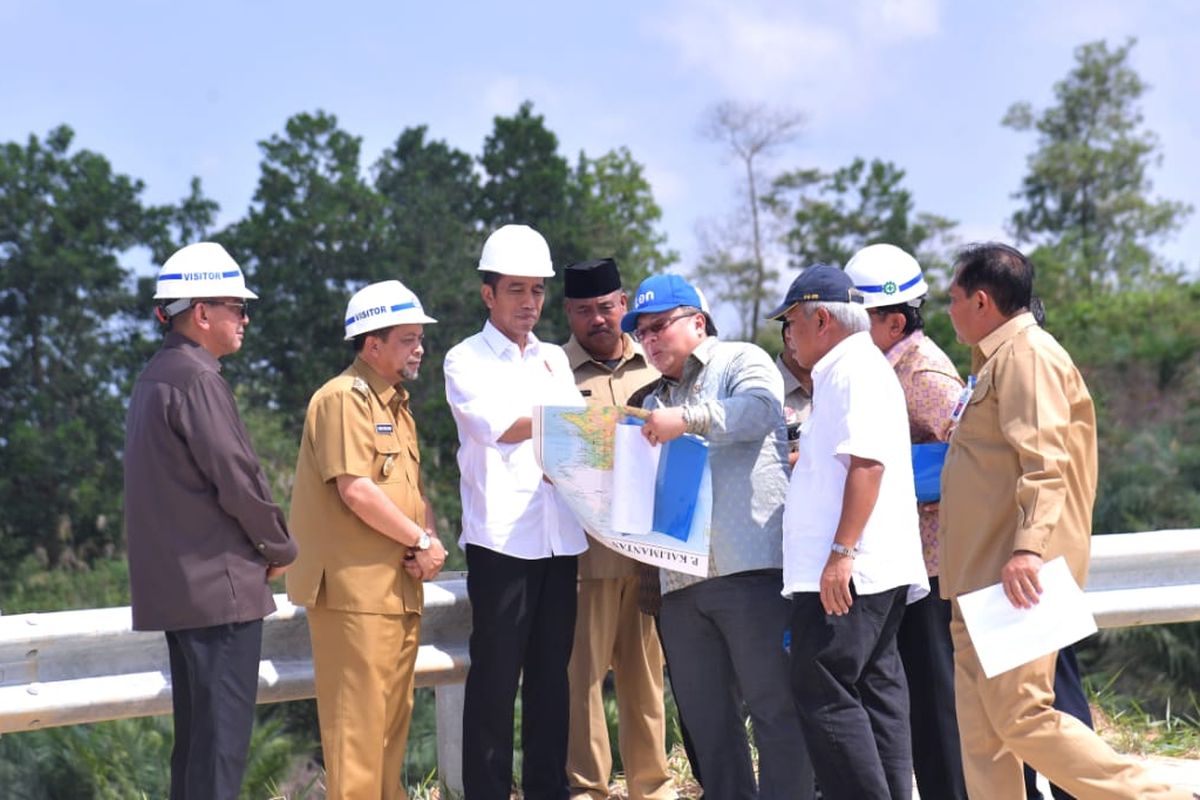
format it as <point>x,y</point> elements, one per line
<point>520,539</point>
<point>851,547</point>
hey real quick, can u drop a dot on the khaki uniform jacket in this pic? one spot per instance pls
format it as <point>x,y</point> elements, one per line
<point>1021,470</point>
<point>200,523</point>
<point>603,386</point>
<point>357,424</point>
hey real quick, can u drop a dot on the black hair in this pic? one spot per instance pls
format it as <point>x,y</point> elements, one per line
<point>1000,270</point>
<point>490,278</point>
<point>358,342</point>
<point>913,321</point>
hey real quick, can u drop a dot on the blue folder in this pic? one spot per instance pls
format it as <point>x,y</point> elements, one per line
<point>927,470</point>
<point>677,484</point>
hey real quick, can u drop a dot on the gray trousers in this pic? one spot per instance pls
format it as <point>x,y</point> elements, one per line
<point>724,640</point>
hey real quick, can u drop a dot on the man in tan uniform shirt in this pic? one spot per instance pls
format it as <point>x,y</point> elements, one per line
<point>366,542</point>
<point>1017,490</point>
<point>610,630</point>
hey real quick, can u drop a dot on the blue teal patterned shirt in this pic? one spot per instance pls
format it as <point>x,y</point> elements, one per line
<point>734,396</point>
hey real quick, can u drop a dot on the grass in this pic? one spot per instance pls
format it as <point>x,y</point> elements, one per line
<point>1129,728</point>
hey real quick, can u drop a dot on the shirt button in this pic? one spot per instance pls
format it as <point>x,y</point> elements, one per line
<point>262,546</point>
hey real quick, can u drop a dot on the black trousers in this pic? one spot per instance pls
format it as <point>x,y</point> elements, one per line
<point>214,682</point>
<point>928,656</point>
<point>723,638</point>
<point>1069,697</point>
<point>523,626</point>
<point>852,695</point>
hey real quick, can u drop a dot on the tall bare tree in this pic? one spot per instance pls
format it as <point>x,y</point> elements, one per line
<point>750,133</point>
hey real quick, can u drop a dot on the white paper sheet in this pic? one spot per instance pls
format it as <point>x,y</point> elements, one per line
<point>1007,637</point>
<point>635,468</point>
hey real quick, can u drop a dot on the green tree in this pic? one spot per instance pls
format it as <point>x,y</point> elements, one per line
<point>1086,195</point>
<point>67,225</point>
<point>526,178</point>
<point>311,238</point>
<point>831,215</point>
<point>613,214</point>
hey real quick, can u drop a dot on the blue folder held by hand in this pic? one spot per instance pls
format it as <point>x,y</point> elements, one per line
<point>927,462</point>
<point>679,471</point>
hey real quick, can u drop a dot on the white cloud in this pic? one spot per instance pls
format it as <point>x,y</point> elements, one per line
<point>899,19</point>
<point>824,55</point>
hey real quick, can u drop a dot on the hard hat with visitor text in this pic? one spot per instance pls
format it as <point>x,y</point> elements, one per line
<point>198,271</point>
<point>382,305</point>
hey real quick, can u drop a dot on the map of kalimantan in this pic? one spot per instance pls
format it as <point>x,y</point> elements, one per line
<point>596,426</point>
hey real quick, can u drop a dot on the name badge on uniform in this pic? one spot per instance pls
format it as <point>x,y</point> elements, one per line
<point>383,427</point>
<point>963,400</point>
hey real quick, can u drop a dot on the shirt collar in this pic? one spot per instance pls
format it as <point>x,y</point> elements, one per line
<point>695,362</point>
<point>852,342</point>
<point>790,382</point>
<point>989,344</point>
<point>577,356</point>
<point>177,339</point>
<point>900,349</point>
<point>381,386</point>
<point>503,346</point>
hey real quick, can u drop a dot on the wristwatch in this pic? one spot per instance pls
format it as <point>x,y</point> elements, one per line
<point>425,541</point>
<point>842,550</point>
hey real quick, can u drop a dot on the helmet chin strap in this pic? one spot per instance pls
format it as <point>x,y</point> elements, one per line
<point>177,306</point>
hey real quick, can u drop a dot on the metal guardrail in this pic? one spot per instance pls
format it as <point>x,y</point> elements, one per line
<point>85,666</point>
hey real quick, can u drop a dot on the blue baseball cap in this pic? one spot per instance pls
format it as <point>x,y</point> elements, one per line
<point>819,283</point>
<point>663,293</point>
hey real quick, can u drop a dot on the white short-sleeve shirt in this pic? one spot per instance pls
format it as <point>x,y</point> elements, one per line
<point>507,507</point>
<point>858,409</point>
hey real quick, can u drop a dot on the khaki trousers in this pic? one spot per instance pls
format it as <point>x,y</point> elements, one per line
<point>364,665</point>
<point>611,631</point>
<point>1009,719</point>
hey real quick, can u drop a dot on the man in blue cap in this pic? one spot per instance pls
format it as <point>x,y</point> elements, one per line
<point>723,634</point>
<point>852,551</point>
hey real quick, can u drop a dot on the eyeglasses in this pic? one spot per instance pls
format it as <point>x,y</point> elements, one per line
<point>655,328</point>
<point>242,309</point>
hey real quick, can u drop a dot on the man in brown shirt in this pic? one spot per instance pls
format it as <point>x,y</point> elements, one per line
<point>610,630</point>
<point>203,534</point>
<point>1017,490</point>
<point>366,542</point>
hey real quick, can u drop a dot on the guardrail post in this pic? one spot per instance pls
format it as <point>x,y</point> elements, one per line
<point>450,697</point>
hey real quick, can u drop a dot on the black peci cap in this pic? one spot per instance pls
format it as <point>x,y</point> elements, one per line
<point>594,278</point>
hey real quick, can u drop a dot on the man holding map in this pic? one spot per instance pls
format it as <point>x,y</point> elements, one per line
<point>610,630</point>
<point>725,632</point>
<point>521,541</point>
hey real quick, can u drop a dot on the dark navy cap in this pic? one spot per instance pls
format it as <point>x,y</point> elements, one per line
<point>819,283</point>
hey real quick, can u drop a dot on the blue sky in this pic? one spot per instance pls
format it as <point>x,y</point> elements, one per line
<point>168,90</point>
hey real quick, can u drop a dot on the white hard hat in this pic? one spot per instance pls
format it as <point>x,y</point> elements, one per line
<point>887,276</point>
<point>200,270</point>
<point>382,305</point>
<point>517,250</point>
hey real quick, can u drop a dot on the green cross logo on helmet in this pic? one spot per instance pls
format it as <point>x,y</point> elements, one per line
<point>889,287</point>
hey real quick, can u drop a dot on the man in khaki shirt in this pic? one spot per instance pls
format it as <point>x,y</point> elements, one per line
<point>366,541</point>
<point>1017,490</point>
<point>610,631</point>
